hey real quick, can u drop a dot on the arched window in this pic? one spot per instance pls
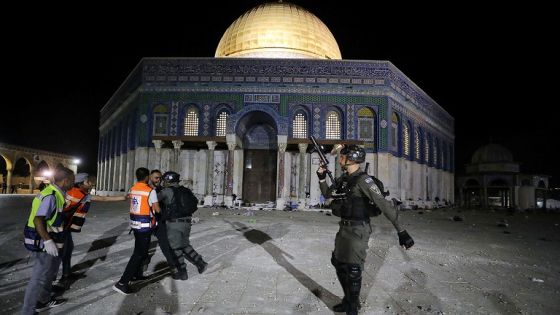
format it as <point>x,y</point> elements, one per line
<point>417,144</point>
<point>406,140</point>
<point>394,129</point>
<point>191,122</point>
<point>366,127</point>
<point>443,156</point>
<point>426,150</point>
<point>436,153</point>
<point>332,130</point>
<point>160,127</point>
<point>299,126</point>
<point>221,123</point>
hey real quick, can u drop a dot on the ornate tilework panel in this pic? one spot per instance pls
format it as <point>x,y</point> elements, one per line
<point>206,120</point>
<point>174,118</point>
<point>350,122</point>
<point>316,121</point>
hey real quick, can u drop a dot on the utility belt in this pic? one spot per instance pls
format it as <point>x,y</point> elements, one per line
<point>187,219</point>
<point>346,222</point>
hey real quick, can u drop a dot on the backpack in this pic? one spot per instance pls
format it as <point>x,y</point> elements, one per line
<point>185,199</point>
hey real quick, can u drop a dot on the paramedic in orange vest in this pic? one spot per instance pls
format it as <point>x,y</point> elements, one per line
<point>143,206</point>
<point>77,205</point>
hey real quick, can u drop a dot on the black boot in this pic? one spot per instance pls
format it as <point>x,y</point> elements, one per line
<point>201,265</point>
<point>61,285</point>
<point>341,275</point>
<point>341,307</point>
<point>194,258</point>
<point>181,274</point>
<point>354,285</point>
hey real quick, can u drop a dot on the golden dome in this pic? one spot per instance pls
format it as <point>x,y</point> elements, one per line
<point>278,30</point>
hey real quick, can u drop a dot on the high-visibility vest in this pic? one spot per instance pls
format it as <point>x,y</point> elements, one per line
<point>77,206</point>
<point>55,223</point>
<point>142,218</point>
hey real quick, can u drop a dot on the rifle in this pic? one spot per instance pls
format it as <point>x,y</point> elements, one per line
<point>337,194</point>
<point>324,161</point>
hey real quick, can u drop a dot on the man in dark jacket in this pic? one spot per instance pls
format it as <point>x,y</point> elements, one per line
<point>178,205</point>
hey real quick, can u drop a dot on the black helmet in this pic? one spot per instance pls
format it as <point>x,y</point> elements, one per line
<point>171,177</point>
<point>354,153</point>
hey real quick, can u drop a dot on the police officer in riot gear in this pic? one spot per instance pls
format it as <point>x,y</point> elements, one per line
<point>357,197</point>
<point>178,205</point>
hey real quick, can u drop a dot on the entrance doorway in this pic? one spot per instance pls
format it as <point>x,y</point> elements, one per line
<point>260,141</point>
<point>259,175</point>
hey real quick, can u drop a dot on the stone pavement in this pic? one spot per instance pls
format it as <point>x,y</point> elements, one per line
<point>276,262</point>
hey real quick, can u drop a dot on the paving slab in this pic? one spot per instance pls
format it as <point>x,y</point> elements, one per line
<point>278,262</point>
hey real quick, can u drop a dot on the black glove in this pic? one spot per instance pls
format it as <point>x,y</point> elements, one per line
<point>396,203</point>
<point>405,239</point>
<point>322,175</point>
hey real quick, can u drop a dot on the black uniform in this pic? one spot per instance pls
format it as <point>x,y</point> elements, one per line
<point>160,232</point>
<point>178,218</point>
<point>351,242</point>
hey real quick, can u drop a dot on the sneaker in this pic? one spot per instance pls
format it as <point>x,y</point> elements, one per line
<point>122,288</point>
<point>48,305</point>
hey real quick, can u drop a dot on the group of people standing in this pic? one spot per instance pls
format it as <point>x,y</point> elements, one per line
<point>166,211</point>
<point>60,210</point>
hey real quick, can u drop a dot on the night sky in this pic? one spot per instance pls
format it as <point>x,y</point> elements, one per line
<point>489,67</point>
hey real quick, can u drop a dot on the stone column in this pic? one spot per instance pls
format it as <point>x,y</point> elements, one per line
<point>228,199</point>
<point>208,199</point>
<point>177,144</point>
<point>280,199</point>
<point>157,145</point>
<point>302,175</point>
<point>31,179</point>
<point>9,181</point>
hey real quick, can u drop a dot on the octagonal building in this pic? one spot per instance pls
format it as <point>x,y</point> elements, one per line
<point>237,126</point>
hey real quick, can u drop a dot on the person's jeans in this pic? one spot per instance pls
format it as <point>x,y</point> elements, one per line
<point>141,247</point>
<point>67,253</point>
<point>38,289</point>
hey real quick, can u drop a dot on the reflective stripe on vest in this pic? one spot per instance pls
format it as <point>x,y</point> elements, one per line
<point>141,215</point>
<point>75,195</point>
<point>55,225</point>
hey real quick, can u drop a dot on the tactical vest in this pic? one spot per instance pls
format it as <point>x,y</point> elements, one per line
<point>181,205</point>
<point>142,218</point>
<point>55,223</point>
<point>75,212</point>
<point>356,206</point>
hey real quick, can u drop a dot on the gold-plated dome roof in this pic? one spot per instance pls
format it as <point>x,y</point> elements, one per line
<point>278,30</point>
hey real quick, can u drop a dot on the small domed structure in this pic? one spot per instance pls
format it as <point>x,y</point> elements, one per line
<point>278,30</point>
<point>491,153</point>
<point>493,179</point>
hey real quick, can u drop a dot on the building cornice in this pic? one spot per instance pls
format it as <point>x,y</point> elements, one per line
<point>338,76</point>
